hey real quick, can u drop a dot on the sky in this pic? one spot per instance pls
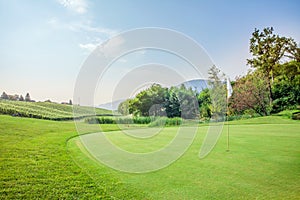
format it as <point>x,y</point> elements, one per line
<point>43,44</point>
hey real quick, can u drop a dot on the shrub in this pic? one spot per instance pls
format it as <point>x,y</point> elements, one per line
<point>91,120</point>
<point>164,121</point>
<point>101,120</point>
<point>141,120</point>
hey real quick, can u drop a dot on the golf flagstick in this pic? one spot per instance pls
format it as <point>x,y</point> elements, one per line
<point>229,93</point>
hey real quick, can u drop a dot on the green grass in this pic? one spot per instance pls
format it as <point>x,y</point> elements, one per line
<point>263,163</point>
<point>47,110</point>
<point>45,159</point>
<point>35,164</point>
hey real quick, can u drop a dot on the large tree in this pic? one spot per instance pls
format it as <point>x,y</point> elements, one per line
<point>217,92</point>
<point>148,100</point>
<point>267,50</point>
<point>250,93</point>
<point>172,104</point>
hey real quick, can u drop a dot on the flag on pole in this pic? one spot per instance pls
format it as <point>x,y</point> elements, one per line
<point>229,93</point>
<point>229,88</point>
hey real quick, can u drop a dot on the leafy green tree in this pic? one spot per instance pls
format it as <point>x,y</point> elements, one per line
<point>123,107</point>
<point>217,92</point>
<point>267,50</point>
<point>172,104</point>
<point>189,106</point>
<point>204,101</point>
<point>142,103</point>
<point>286,87</point>
<point>159,101</point>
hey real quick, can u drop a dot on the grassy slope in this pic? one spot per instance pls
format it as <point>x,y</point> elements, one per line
<point>34,163</point>
<point>264,163</point>
<point>47,110</point>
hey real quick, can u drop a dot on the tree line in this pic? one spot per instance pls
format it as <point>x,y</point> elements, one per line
<point>179,101</point>
<point>16,97</point>
<point>272,85</point>
<point>27,98</point>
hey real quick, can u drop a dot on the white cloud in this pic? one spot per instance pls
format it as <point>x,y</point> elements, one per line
<point>89,46</point>
<point>84,27</point>
<point>88,27</point>
<point>79,6</point>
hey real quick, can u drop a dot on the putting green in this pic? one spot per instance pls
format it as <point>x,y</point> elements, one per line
<point>263,162</point>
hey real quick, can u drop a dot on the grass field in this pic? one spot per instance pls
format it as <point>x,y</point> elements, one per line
<point>45,159</point>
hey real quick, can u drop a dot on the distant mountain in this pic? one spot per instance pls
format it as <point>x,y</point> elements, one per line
<point>111,105</point>
<point>196,84</point>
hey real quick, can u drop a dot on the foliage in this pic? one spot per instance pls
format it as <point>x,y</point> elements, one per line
<point>188,102</point>
<point>165,121</point>
<point>217,92</point>
<point>250,92</point>
<point>267,50</point>
<point>123,107</point>
<point>204,101</point>
<point>172,104</point>
<point>141,120</point>
<point>145,100</point>
<point>117,120</point>
<point>159,101</point>
<point>286,87</point>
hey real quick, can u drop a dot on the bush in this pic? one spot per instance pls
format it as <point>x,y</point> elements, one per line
<point>124,120</point>
<point>101,120</point>
<point>141,120</point>
<point>164,121</point>
<point>120,120</point>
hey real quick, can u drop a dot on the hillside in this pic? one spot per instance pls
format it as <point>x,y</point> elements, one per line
<point>46,110</point>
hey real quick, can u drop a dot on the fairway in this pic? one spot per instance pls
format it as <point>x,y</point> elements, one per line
<point>46,159</point>
<point>263,162</point>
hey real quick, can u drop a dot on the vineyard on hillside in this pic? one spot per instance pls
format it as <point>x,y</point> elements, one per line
<point>48,110</point>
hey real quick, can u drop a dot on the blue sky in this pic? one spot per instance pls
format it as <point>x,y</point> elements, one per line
<point>44,43</point>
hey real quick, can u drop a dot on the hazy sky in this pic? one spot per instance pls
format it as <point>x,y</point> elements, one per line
<point>44,43</point>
